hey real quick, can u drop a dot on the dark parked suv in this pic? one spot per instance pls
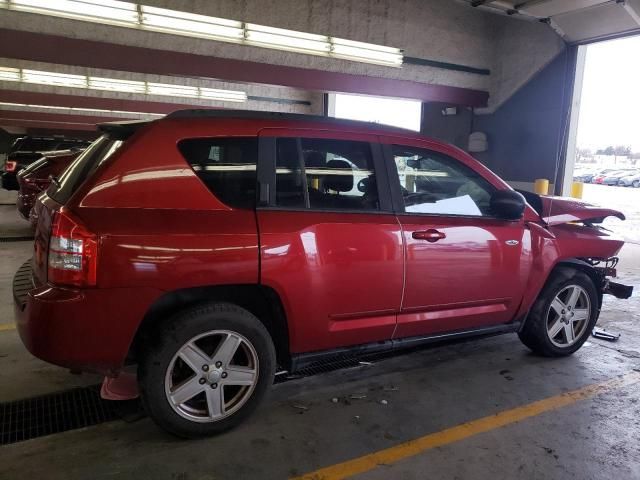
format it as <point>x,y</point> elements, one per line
<point>26,150</point>
<point>37,176</point>
<point>208,248</point>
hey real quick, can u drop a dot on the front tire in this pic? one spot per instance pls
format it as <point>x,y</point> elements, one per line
<point>207,371</point>
<point>563,315</point>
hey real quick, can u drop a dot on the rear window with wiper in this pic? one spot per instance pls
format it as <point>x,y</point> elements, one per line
<point>82,167</point>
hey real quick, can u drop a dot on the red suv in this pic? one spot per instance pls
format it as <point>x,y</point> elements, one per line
<point>209,247</point>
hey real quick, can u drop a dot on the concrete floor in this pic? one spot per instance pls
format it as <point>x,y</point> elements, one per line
<point>425,392</point>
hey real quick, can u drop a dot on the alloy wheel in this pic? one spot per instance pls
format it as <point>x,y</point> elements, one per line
<point>212,376</point>
<point>568,316</point>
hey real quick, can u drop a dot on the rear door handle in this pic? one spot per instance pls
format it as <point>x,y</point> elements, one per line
<point>431,235</point>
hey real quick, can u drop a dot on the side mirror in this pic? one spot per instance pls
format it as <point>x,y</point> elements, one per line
<point>507,204</point>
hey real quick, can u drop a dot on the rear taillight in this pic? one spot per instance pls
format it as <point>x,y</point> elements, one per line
<point>10,166</point>
<point>73,252</point>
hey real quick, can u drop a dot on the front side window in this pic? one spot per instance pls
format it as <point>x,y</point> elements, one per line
<point>227,166</point>
<point>323,174</point>
<point>437,184</point>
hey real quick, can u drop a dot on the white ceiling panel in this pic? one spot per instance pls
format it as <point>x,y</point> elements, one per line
<point>595,22</point>
<point>549,8</point>
<point>577,21</point>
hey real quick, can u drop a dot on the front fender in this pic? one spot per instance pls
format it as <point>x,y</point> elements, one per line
<point>566,245</point>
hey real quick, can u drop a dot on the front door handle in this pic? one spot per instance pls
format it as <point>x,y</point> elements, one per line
<point>431,235</point>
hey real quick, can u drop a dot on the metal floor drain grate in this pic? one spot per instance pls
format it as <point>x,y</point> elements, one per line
<point>59,412</point>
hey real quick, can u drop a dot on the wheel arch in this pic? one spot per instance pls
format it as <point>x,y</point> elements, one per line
<point>583,266</point>
<point>260,300</point>
<point>575,264</point>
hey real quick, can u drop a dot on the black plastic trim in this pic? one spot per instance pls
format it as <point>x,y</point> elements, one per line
<point>425,62</point>
<point>305,360</point>
<point>278,116</point>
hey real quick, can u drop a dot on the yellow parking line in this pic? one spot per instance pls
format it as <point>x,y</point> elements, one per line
<point>5,327</point>
<point>465,430</point>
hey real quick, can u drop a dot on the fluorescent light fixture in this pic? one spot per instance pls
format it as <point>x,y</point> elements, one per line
<point>190,24</point>
<point>102,11</point>
<point>9,74</point>
<point>135,15</point>
<point>172,90</point>
<point>56,79</point>
<point>115,85</point>
<point>286,39</point>
<point>226,95</point>
<point>77,109</point>
<point>366,52</point>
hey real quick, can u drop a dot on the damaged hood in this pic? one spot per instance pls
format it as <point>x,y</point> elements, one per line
<point>557,210</point>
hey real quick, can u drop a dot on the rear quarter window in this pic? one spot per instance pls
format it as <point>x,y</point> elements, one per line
<point>82,168</point>
<point>227,166</point>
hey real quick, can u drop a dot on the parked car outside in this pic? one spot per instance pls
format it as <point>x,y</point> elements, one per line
<point>583,176</point>
<point>37,177</point>
<point>614,177</point>
<point>632,180</point>
<point>599,176</point>
<point>26,150</point>
<point>209,248</point>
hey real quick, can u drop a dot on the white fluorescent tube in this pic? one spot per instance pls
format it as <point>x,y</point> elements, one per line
<point>56,79</point>
<point>190,24</point>
<point>115,85</point>
<point>172,90</point>
<point>9,74</point>
<point>286,39</point>
<point>225,95</point>
<point>367,52</point>
<point>102,11</point>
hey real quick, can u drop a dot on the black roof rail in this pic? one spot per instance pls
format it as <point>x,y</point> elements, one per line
<point>263,115</point>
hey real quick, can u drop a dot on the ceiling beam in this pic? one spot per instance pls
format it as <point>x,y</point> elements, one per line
<point>529,3</point>
<point>30,115</point>
<point>29,124</point>
<point>41,47</point>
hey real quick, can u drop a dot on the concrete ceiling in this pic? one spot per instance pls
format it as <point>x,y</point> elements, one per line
<point>576,21</point>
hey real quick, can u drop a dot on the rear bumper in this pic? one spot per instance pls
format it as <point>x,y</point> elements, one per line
<point>85,330</point>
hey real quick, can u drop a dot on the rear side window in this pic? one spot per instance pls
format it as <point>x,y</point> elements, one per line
<point>227,166</point>
<point>82,167</point>
<point>325,174</point>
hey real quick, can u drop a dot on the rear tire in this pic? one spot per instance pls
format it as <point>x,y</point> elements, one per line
<point>563,316</point>
<point>636,184</point>
<point>207,370</point>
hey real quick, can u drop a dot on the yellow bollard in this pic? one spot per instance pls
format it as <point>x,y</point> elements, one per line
<point>541,187</point>
<point>576,189</point>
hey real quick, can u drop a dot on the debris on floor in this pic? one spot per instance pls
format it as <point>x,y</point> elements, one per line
<point>301,407</point>
<point>598,332</point>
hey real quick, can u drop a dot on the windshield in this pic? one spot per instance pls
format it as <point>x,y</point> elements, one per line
<point>82,167</point>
